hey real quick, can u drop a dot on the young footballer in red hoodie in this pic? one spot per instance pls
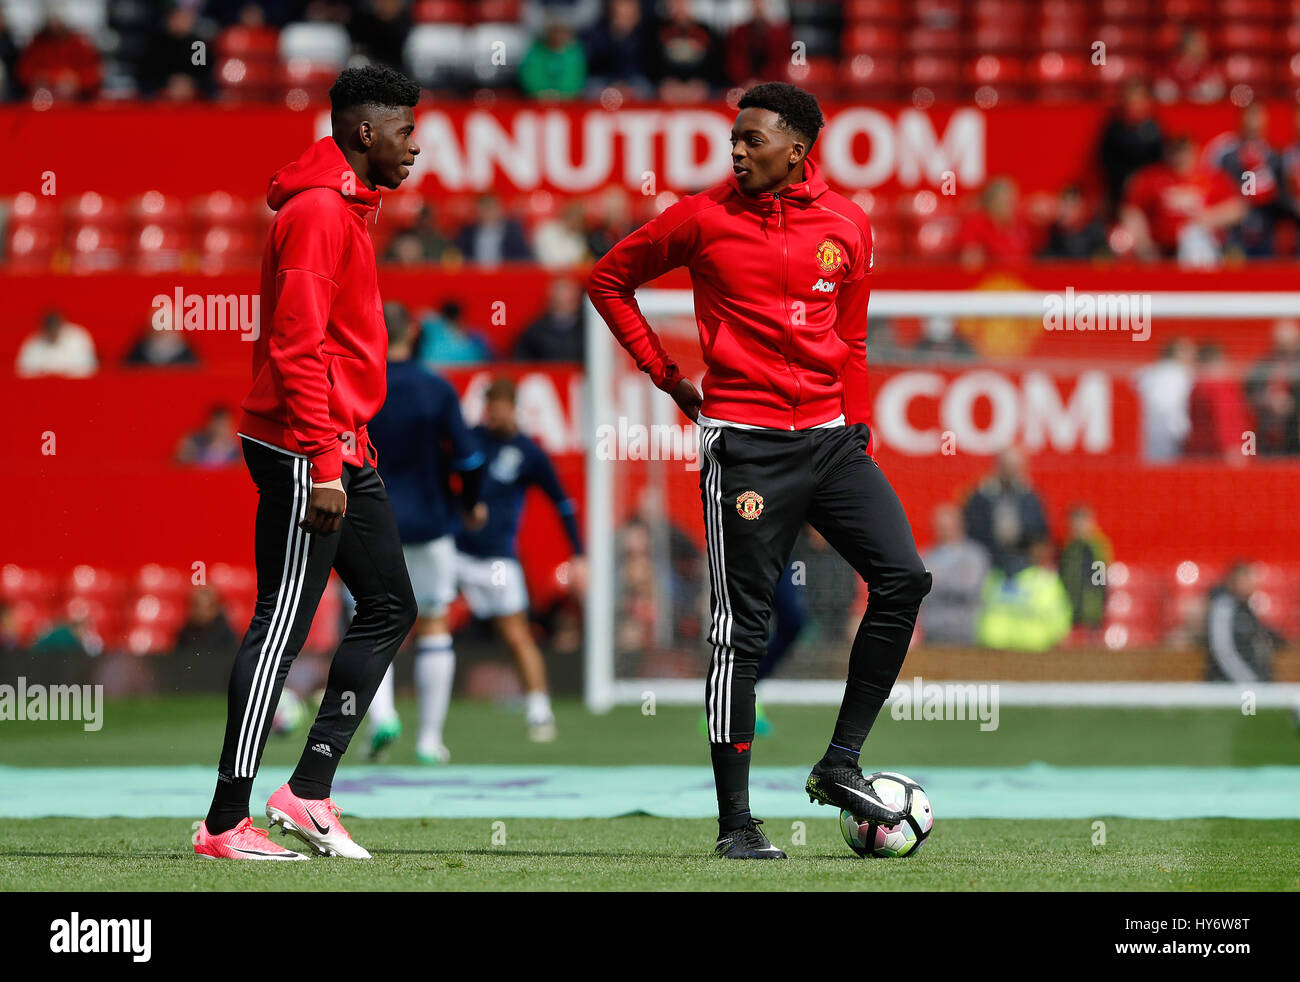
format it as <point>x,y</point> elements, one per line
<point>319,369</point>
<point>780,270</point>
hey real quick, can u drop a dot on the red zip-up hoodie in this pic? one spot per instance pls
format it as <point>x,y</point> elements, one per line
<point>319,362</point>
<point>781,284</point>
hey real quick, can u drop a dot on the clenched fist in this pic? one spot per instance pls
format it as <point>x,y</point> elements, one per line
<point>326,508</point>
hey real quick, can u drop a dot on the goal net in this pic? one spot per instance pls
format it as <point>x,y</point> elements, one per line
<point>956,377</point>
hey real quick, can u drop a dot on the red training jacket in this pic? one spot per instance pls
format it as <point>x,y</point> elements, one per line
<point>319,362</point>
<point>781,284</point>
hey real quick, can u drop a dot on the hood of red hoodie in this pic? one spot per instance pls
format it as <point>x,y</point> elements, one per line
<point>322,166</point>
<point>803,193</point>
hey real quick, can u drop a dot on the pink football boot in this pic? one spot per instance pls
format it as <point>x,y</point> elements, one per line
<point>315,821</point>
<point>244,841</point>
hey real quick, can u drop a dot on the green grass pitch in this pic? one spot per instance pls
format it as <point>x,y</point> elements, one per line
<point>644,853</point>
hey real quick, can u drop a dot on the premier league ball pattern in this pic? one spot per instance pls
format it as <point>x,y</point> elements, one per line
<point>900,793</point>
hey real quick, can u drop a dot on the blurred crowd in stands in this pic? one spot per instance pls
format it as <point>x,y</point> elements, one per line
<point>1149,193</point>
<point>1196,401</point>
<point>991,51</point>
<point>1002,581</point>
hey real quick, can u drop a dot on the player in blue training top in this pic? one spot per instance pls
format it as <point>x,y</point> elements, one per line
<point>487,565</point>
<point>423,437</point>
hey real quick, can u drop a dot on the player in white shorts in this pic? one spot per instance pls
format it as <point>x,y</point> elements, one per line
<point>492,587</point>
<point>423,439</point>
<point>487,564</point>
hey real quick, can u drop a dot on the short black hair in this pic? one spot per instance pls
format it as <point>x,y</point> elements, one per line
<point>398,322</point>
<point>372,85</point>
<point>501,388</point>
<point>798,109</point>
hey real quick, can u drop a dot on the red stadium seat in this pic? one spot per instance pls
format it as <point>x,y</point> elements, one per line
<point>159,248</point>
<point>1129,604</point>
<point>931,224</point>
<point>1065,36</point>
<point>1012,12</point>
<point>162,580</point>
<point>1190,575</point>
<point>225,248</point>
<point>21,583</point>
<point>1124,37</point>
<point>887,236</point>
<point>1241,67</point>
<point>36,210</point>
<point>877,11</point>
<point>148,639</point>
<point>871,39</point>
<point>1120,635</point>
<point>1249,38</point>
<point>998,37</point>
<point>311,79</point>
<point>1000,71</point>
<point>1287,76</point>
<point>93,208</point>
<point>817,75</point>
<point>94,581</point>
<point>873,205</point>
<point>156,208</point>
<point>938,13</point>
<point>1061,76</point>
<point>96,248</point>
<point>227,579</point>
<point>165,612</point>
<point>31,248</point>
<point>1251,10</point>
<point>1119,68</point>
<point>1183,11</point>
<point>1065,11</point>
<point>402,209</point>
<point>497,11</point>
<point>243,80</point>
<point>870,76</point>
<point>1126,10</point>
<point>934,40</point>
<point>940,74</point>
<point>219,209</point>
<point>249,43</point>
<point>440,12</point>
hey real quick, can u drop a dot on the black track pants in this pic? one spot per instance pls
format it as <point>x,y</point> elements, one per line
<point>292,569</point>
<point>758,488</point>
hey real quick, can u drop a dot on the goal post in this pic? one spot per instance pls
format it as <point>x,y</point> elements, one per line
<point>647,602</point>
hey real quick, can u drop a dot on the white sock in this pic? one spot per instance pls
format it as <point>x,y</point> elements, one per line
<point>435,667</point>
<point>382,707</point>
<point>538,707</point>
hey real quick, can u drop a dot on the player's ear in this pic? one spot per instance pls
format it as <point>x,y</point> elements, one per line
<point>366,133</point>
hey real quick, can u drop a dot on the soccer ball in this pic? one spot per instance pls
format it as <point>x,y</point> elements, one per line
<point>900,793</point>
